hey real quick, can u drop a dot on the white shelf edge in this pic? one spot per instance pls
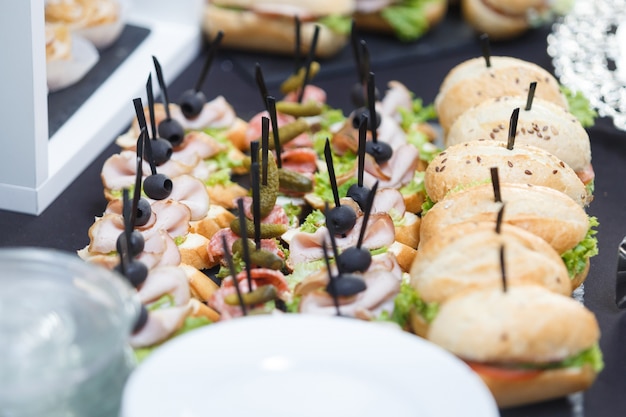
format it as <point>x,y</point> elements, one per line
<point>105,114</point>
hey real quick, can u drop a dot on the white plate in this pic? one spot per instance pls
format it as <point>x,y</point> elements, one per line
<point>299,365</point>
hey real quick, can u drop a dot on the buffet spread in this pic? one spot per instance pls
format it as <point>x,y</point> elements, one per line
<point>463,222</point>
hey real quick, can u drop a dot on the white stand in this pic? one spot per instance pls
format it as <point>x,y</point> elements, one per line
<point>36,169</point>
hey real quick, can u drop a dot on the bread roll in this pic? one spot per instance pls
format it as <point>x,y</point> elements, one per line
<point>501,19</point>
<point>545,126</point>
<point>469,163</point>
<point>472,82</point>
<point>467,256</point>
<point>543,211</point>
<point>501,333</point>
<point>247,26</point>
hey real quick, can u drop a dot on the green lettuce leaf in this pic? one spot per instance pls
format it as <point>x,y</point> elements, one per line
<point>576,258</point>
<point>407,19</point>
<point>407,300</point>
<point>580,107</point>
<point>337,23</point>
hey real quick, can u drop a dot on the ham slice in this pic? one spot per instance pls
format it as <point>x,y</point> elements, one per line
<point>306,247</point>
<point>161,324</point>
<point>396,172</point>
<point>165,280</point>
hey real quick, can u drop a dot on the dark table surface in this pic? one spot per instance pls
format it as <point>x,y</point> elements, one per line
<point>65,223</point>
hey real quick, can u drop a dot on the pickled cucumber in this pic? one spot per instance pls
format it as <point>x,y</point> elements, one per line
<point>268,192</point>
<point>310,108</point>
<point>294,181</point>
<point>295,81</point>
<point>260,295</point>
<point>268,230</point>
<point>259,257</point>
<point>288,132</point>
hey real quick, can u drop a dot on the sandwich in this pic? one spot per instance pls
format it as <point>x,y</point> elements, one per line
<point>407,20</point>
<point>505,19</point>
<point>466,256</point>
<point>473,81</point>
<point>545,125</point>
<point>269,26</point>
<point>467,164</point>
<point>526,343</point>
<point>547,213</point>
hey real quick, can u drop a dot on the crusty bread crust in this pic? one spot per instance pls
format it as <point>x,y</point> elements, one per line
<point>216,219</point>
<point>545,125</point>
<point>193,251</point>
<point>409,231</point>
<point>498,26</point>
<point>404,255</point>
<point>543,211</point>
<point>469,164</point>
<point>472,82</point>
<point>525,324</point>
<point>549,384</point>
<point>315,8</point>
<point>200,285</point>
<point>434,13</point>
<point>467,256</point>
<point>245,29</point>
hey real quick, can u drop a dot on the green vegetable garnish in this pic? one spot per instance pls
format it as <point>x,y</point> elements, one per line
<point>580,107</point>
<point>407,18</point>
<point>337,23</point>
<point>576,258</point>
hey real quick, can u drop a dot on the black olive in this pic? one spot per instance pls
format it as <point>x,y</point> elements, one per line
<point>381,151</point>
<point>343,219</point>
<point>142,319</point>
<point>359,194</point>
<point>345,285</point>
<point>136,272</point>
<point>191,103</point>
<point>157,186</point>
<point>161,150</point>
<point>354,259</point>
<point>358,95</point>
<point>143,213</point>
<point>171,130</point>
<point>137,243</point>
<point>363,111</point>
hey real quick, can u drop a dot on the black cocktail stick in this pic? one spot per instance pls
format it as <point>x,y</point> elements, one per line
<point>297,53</point>
<point>244,238</point>
<point>331,278</point>
<point>254,151</point>
<point>309,61</point>
<point>213,47</point>
<point>371,103</point>
<point>256,203</point>
<point>366,214</point>
<point>531,95</point>
<point>141,117</point>
<point>356,53</point>
<point>271,108</point>
<point>361,151</point>
<point>233,274</point>
<point>500,219</point>
<point>331,230</point>
<point>365,60</point>
<point>512,129</point>
<point>503,269</point>
<point>169,128</point>
<point>484,42</point>
<point>265,134</point>
<point>331,172</point>
<point>150,95</point>
<point>260,82</point>
<point>159,72</point>
<point>495,183</point>
<point>162,148</point>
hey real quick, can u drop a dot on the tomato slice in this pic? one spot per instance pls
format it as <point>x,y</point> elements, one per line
<point>500,372</point>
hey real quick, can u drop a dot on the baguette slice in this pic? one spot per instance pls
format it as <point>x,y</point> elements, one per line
<point>467,164</point>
